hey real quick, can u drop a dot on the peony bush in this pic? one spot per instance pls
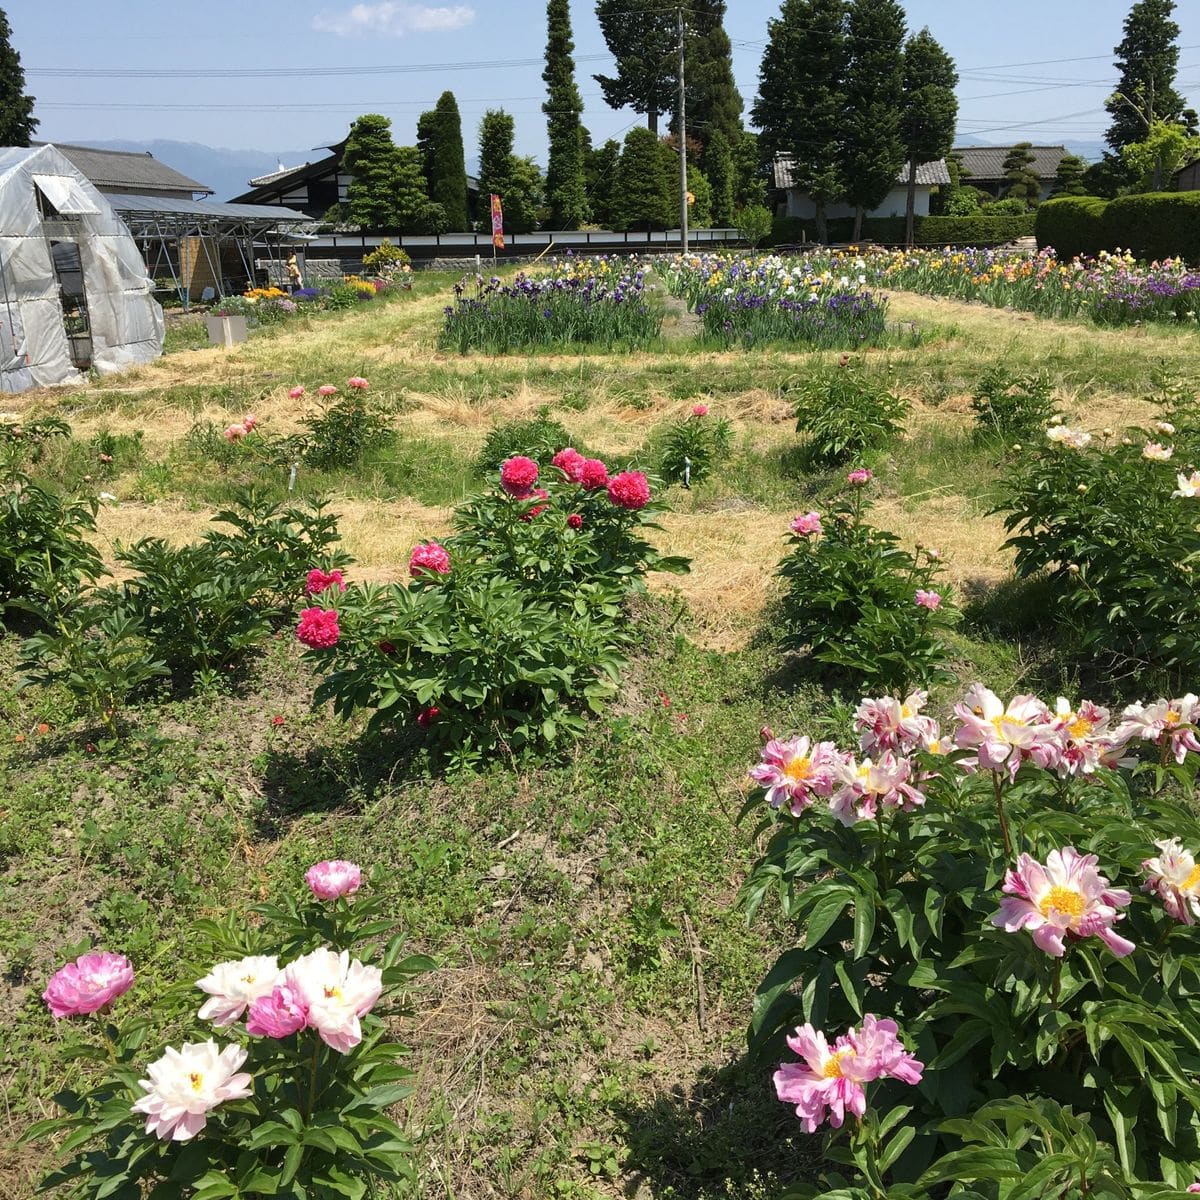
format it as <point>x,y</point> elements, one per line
<point>999,914</point>
<point>284,1090</point>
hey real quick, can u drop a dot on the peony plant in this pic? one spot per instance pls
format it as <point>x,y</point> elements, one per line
<point>283,1091</point>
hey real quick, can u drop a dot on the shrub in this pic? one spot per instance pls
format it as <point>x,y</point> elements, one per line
<point>692,448</point>
<point>842,412</point>
<point>1071,225</point>
<point>539,438</point>
<point>859,603</point>
<point>1010,207</point>
<point>1154,225</point>
<point>1010,406</point>
<point>1047,1011</point>
<point>980,230</point>
<point>386,260</point>
<point>296,1102</point>
<point>753,224</point>
<point>338,437</point>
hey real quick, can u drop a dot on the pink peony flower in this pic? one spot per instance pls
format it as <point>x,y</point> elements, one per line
<point>831,1080</point>
<point>233,986</point>
<point>1171,720</point>
<point>296,392</point>
<point>429,558</point>
<point>1066,896</point>
<point>186,1084</point>
<point>890,724</point>
<point>518,475</point>
<point>91,983</point>
<point>327,389</point>
<point>278,1014</point>
<point>249,421</point>
<point>594,474</point>
<point>807,524</point>
<point>1157,452</point>
<point>929,600</point>
<point>629,490</point>
<point>358,383</point>
<point>427,716</point>
<point>699,410</point>
<point>1175,878</point>
<point>859,477</point>
<point>796,772</point>
<point>318,628</point>
<point>235,433</point>
<point>575,521</point>
<point>862,788</point>
<point>319,581</point>
<point>540,494</point>
<point>333,878</point>
<point>570,463</point>
<point>1087,741</point>
<point>1005,737</point>
<point>1194,1187</point>
<point>336,992</point>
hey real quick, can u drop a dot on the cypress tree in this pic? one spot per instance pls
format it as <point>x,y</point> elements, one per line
<point>426,140</point>
<point>713,102</point>
<point>800,109</point>
<point>411,209</point>
<point>646,195</point>
<point>565,183</point>
<point>873,151</point>
<point>602,166</point>
<point>718,167</point>
<point>644,42</point>
<point>373,162</point>
<point>750,180</point>
<point>17,122</point>
<point>526,196</point>
<point>1147,59</point>
<point>929,113</point>
<point>495,153</point>
<point>447,176</point>
<point>1023,183</point>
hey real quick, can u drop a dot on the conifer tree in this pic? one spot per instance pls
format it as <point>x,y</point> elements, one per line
<point>1023,182</point>
<point>602,166</point>
<point>447,170</point>
<point>17,122</point>
<point>714,105</point>
<point>646,195</point>
<point>1068,179</point>
<point>644,41</point>
<point>412,211</point>
<point>566,188</point>
<point>496,132</point>
<point>718,167</point>
<point>373,162</point>
<point>1147,59</point>
<point>929,113</point>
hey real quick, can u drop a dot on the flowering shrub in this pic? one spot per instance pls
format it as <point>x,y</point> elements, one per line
<point>859,603</point>
<point>346,429</point>
<point>1012,897</point>
<point>691,448</point>
<point>285,1093</point>
<point>842,412</point>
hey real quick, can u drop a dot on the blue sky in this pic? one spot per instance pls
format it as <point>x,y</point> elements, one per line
<point>1008,90</point>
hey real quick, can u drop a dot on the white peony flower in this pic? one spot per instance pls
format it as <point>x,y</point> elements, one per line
<point>185,1084</point>
<point>234,986</point>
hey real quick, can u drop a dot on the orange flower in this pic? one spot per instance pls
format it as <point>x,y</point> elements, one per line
<point>43,728</point>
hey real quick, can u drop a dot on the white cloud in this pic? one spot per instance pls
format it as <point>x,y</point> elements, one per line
<point>393,19</point>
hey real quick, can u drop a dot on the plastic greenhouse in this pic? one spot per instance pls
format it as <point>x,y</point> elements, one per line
<point>73,288</point>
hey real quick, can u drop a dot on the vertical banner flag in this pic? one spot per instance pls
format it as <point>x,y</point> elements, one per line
<point>497,224</point>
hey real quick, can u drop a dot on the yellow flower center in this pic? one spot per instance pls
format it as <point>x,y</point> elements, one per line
<point>798,769</point>
<point>999,722</point>
<point>333,993</point>
<point>1172,717</point>
<point>1080,727</point>
<point>1066,900</point>
<point>833,1066</point>
<point>196,1080</point>
<point>905,711</point>
<point>1191,881</point>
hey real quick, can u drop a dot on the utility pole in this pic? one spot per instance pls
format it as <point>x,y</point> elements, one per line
<point>683,174</point>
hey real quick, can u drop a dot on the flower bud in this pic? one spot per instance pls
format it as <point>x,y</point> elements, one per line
<point>1017,447</point>
<point>1073,569</point>
<point>1081,488</point>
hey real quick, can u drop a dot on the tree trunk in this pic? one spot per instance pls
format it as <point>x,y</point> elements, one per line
<point>858,220</point>
<point>910,204</point>
<point>822,224</point>
<point>652,121</point>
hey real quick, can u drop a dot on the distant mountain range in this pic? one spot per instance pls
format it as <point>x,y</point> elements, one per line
<point>227,172</point>
<point>1091,149</point>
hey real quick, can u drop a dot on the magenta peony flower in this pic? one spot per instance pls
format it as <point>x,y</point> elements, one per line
<point>327,389</point>
<point>235,433</point>
<point>358,383</point>
<point>575,521</point>
<point>594,474</point>
<point>427,716</point>
<point>629,490</point>
<point>333,878</point>
<point>185,1084</point>
<point>859,477</point>
<point>233,986</point>
<point>1065,896</point>
<point>518,475</point>
<point>336,992</point>
<point>89,984</point>
<point>278,1014</point>
<point>319,581</point>
<point>1175,878</point>
<point>831,1079</point>
<point>429,558</point>
<point>296,392</point>
<point>699,410</point>
<point>929,600</point>
<point>796,772</point>
<point>318,628</point>
<point>807,525</point>
<point>570,463</point>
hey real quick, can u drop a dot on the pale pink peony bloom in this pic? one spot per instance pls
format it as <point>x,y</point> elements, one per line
<point>358,383</point>
<point>1074,439</point>
<point>296,392</point>
<point>1004,736</point>
<point>249,421</point>
<point>699,410</point>
<point>233,986</point>
<point>807,524</point>
<point>278,1014</point>
<point>333,878</point>
<point>1088,742</point>
<point>885,723</point>
<point>570,463</point>
<point>862,788</point>
<point>1175,878</point>
<point>429,558</point>
<point>1189,486</point>
<point>186,1084</point>
<point>318,581</point>
<point>1157,452</point>
<point>831,1080</point>
<point>91,983</point>
<point>859,477</point>
<point>796,772</point>
<point>1065,896</point>
<point>336,992</point>
<point>327,389</point>
<point>1194,1187</point>
<point>235,432</point>
<point>1173,720</point>
<point>1164,427</point>
<point>929,600</point>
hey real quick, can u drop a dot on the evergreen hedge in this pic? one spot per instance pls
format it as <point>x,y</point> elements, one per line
<point>1072,225</point>
<point>927,231</point>
<point>1151,225</point>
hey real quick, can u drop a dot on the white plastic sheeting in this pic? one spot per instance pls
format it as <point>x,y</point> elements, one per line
<point>125,321</point>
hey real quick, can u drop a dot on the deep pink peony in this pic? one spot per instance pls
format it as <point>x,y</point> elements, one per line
<point>518,475</point>
<point>575,521</point>
<point>333,878</point>
<point>807,524</point>
<point>629,490</point>
<point>536,494</point>
<point>594,474</point>
<point>318,628</point>
<point>92,982</point>
<point>319,581</point>
<point>699,410</point>
<point>277,1015</point>
<point>427,716</point>
<point>296,392</point>
<point>429,558</point>
<point>929,600</point>
<point>358,383</point>
<point>796,772</point>
<point>570,463</point>
<point>859,477</point>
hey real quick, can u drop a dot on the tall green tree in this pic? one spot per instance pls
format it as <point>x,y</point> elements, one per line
<point>644,41</point>
<point>602,165</point>
<point>647,194</point>
<point>412,210</point>
<point>1068,178</point>
<point>800,108</point>
<point>750,175</point>
<point>722,178</point>
<point>872,148</point>
<point>929,111</point>
<point>1023,182</point>
<point>447,169</point>
<point>17,122</point>
<point>377,173</point>
<point>517,181</point>
<point>714,104</point>
<point>566,187</point>
<point>525,205</point>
